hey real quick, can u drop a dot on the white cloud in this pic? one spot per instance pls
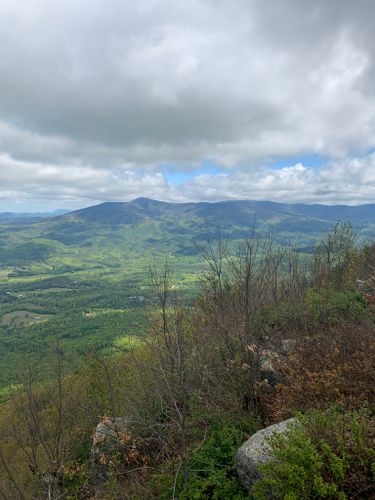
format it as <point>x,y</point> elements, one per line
<point>95,96</point>
<point>347,181</point>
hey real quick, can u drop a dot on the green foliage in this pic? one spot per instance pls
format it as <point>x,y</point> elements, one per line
<point>329,455</point>
<point>76,480</point>
<point>210,471</point>
<point>334,256</point>
<point>327,306</point>
<point>95,301</point>
<point>297,474</point>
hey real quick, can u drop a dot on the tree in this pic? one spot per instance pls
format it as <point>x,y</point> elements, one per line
<point>333,258</point>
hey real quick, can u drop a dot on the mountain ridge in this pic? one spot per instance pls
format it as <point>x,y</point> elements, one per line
<point>146,227</point>
<point>157,208</point>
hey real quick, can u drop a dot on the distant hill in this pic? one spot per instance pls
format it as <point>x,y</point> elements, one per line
<point>145,227</point>
<point>21,218</point>
<point>233,212</point>
<point>286,221</point>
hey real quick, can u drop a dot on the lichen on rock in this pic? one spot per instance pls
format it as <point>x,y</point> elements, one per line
<point>256,451</point>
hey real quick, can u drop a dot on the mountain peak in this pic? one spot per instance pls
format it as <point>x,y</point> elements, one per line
<point>147,201</point>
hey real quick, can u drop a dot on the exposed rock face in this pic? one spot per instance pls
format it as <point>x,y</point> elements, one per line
<point>268,371</point>
<point>107,437</point>
<point>256,451</point>
<point>108,430</point>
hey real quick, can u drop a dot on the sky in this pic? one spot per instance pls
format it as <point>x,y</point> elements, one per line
<point>110,100</point>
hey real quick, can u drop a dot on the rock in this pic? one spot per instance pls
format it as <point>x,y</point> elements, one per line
<point>268,371</point>
<point>256,451</point>
<point>266,360</point>
<point>360,284</point>
<point>107,431</point>
<point>108,436</point>
<point>287,345</point>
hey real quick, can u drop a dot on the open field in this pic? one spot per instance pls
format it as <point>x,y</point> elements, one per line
<point>22,318</point>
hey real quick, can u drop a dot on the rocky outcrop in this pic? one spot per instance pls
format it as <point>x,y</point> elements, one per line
<point>108,437</point>
<point>268,372</point>
<point>256,451</point>
<point>271,359</point>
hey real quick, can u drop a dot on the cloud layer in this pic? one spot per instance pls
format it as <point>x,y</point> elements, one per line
<point>99,99</point>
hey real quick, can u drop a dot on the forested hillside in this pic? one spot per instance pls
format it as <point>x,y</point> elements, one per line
<point>146,227</point>
<point>83,276</point>
<point>266,331</point>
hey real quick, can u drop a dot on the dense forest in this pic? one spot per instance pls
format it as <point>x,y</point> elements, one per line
<point>267,333</point>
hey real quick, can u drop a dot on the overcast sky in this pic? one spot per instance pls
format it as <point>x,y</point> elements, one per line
<point>198,100</point>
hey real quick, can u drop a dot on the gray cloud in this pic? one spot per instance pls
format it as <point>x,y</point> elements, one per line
<point>95,96</point>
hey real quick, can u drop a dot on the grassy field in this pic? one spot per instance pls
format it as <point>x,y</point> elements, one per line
<point>23,318</point>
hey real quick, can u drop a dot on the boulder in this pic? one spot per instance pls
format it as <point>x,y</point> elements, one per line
<point>256,451</point>
<point>287,345</point>
<point>108,437</point>
<point>268,371</point>
<point>108,430</point>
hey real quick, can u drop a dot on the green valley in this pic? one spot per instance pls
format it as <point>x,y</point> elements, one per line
<point>178,331</point>
<point>82,277</point>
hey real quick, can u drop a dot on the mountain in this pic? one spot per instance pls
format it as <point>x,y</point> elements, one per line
<point>287,221</point>
<point>231,212</point>
<point>146,227</point>
<point>25,218</point>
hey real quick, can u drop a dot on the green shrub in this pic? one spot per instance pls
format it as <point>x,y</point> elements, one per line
<point>331,455</point>
<point>327,306</point>
<point>212,473</point>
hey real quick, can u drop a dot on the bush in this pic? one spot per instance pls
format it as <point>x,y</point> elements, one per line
<point>209,472</point>
<point>327,306</point>
<point>335,367</point>
<point>331,455</point>
<point>212,473</point>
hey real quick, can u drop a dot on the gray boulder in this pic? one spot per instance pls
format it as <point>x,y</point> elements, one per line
<point>256,451</point>
<point>108,430</point>
<point>109,435</point>
<point>268,371</point>
<point>287,345</point>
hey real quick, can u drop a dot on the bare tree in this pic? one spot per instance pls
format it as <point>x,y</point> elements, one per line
<point>238,288</point>
<point>334,256</point>
<point>41,428</point>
